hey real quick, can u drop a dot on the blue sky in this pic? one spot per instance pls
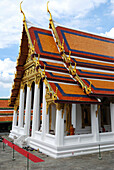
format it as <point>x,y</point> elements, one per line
<point>94,16</point>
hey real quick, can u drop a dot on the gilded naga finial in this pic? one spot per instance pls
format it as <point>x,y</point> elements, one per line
<point>89,88</point>
<point>69,58</point>
<point>70,68</point>
<point>43,72</point>
<point>22,11</point>
<point>74,70</point>
<point>38,63</point>
<point>49,11</point>
<point>55,95</point>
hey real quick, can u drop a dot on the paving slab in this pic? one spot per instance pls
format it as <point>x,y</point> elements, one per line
<point>85,162</point>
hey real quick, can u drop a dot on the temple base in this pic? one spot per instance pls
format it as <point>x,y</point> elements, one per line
<point>71,150</point>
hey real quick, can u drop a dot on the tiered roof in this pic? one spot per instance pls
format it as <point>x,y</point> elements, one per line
<point>79,67</point>
<point>94,56</point>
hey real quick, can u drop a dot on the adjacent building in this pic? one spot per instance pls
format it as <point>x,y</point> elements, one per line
<point>6,115</point>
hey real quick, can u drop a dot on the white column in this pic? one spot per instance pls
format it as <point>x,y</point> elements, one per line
<point>53,117</point>
<point>112,116</point>
<point>78,118</point>
<point>44,122</point>
<point>74,115</point>
<point>94,122</point>
<point>14,118</point>
<point>59,130</point>
<point>36,110</point>
<point>28,112</point>
<point>47,121</point>
<point>21,108</point>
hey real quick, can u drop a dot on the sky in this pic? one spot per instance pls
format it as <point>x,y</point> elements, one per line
<point>94,16</point>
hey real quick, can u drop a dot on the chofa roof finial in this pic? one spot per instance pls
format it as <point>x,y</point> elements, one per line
<point>22,11</point>
<point>49,11</point>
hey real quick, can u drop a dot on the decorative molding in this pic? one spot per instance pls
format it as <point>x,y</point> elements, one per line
<point>29,84</point>
<point>98,108</point>
<point>16,105</point>
<point>22,86</point>
<point>68,117</point>
<point>37,80</point>
<point>61,106</point>
<point>66,59</point>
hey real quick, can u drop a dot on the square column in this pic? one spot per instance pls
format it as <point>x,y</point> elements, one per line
<point>78,118</point>
<point>94,122</point>
<point>36,110</point>
<point>59,130</point>
<point>27,112</point>
<point>44,116</point>
<point>14,118</point>
<point>74,115</point>
<point>53,114</point>
<point>21,108</point>
<point>112,116</point>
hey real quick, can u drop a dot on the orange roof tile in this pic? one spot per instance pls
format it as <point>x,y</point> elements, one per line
<point>87,45</point>
<point>71,93</point>
<point>45,44</point>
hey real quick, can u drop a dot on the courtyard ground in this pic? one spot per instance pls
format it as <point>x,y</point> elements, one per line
<point>85,162</point>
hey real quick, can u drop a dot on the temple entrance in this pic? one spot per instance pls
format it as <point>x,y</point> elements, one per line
<point>25,95</point>
<point>105,118</point>
<point>83,119</point>
<point>17,116</point>
<point>52,118</point>
<point>41,105</point>
<point>32,104</point>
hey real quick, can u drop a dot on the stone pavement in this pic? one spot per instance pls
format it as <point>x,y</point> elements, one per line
<point>85,162</point>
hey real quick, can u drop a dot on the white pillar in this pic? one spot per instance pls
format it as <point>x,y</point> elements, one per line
<point>112,116</point>
<point>44,123</point>
<point>94,122</point>
<point>47,121</point>
<point>78,118</point>
<point>21,108</point>
<point>36,110</point>
<point>28,112</point>
<point>53,117</point>
<point>74,115</point>
<point>14,118</point>
<point>59,130</point>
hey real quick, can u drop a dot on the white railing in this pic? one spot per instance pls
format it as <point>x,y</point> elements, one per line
<point>37,135</point>
<point>106,136</point>
<point>21,131</point>
<point>50,138</point>
<point>78,139</point>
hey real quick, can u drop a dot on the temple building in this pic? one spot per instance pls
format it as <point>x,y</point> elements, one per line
<point>6,115</point>
<point>67,78</point>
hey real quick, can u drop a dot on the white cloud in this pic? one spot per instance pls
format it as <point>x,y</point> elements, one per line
<point>7,68</point>
<point>10,25</point>
<point>36,12</point>
<point>112,7</point>
<point>109,34</point>
<point>78,8</point>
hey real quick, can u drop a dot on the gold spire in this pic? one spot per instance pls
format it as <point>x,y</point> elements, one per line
<point>26,29</point>
<point>22,11</point>
<point>65,58</point>
<point>50,19</point>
